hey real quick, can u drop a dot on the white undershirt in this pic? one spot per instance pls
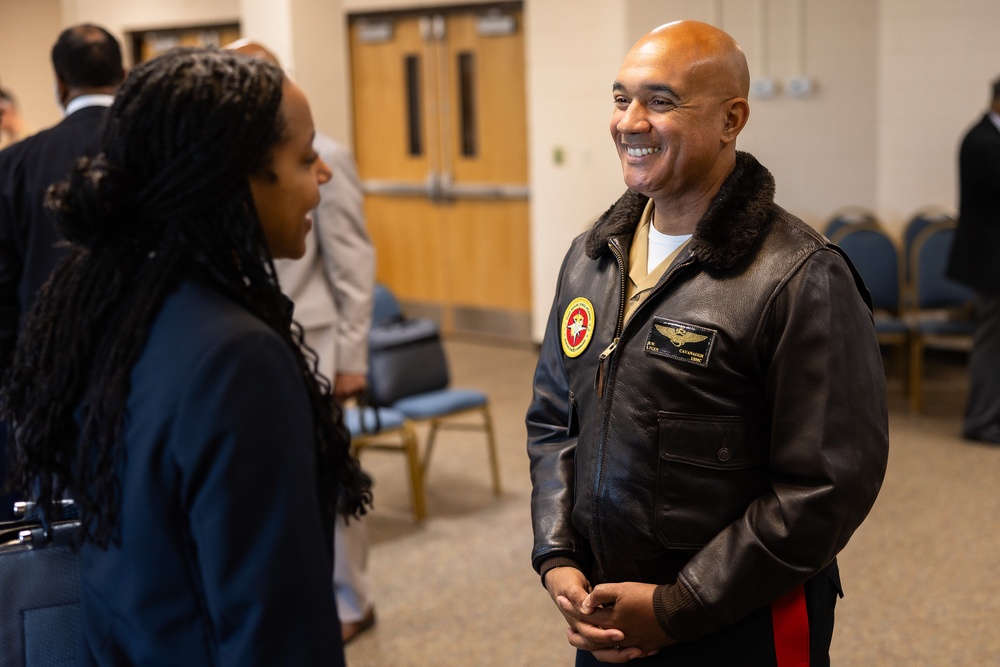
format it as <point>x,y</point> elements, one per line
<point>92,100</point>
<point>995,117</point>
<point>661,246</point>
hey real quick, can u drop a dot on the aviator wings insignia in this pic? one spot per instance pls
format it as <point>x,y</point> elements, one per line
<point>678,336</point>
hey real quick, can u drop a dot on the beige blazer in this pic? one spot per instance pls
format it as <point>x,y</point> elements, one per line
<point>333,282</point>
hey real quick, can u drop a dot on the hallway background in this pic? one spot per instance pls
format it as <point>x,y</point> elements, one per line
<point>896,84</point>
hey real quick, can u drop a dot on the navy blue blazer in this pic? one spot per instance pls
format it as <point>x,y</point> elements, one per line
<point>976,246</point>
<point>224,559</point>
<point>29,240</point>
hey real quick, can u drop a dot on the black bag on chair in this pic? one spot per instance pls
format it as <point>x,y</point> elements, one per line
<point>39,591</point>
<point>405,357</point>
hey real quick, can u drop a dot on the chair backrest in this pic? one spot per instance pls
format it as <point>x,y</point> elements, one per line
<point>875,256</point>
<point>386,307</point>
<point>918,223</point>
<point>930,289</point>
<point>850,215</point>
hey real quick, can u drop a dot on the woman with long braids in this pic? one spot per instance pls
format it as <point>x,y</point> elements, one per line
<point>161,383</point>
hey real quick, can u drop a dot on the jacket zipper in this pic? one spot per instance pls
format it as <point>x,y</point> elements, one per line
<point>603,368</point>
<point>606,354</point>
<point>604,362</point>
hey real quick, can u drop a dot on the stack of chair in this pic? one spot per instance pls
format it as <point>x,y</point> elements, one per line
<point>876,257</point>
<point>846,217</point>
<point>915,305</point>
<point>940,311</point>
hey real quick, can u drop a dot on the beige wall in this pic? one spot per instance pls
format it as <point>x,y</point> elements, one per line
<point>321,58</point>
<point>897,82</point>
<point>269,22</point>
<point>572,59</point>
<point>29,29</point>
<point>25,67</point>
<point>125,15</point>
<point>936,62</point>
<point>822,149</point>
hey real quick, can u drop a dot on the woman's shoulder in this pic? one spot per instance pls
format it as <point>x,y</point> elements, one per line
<point>197,304</point>
<point>207,352</point>
<point>199,321</point>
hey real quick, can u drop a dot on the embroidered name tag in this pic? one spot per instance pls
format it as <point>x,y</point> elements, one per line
<point>684,342</point>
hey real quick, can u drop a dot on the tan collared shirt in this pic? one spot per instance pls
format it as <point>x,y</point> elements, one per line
<point>640,282</point>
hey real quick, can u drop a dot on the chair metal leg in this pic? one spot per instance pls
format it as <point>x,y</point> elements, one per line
<point>899,352</point>
<point>416,473</point>
<point>916,374</point>
<point>491,443</point>
<point>409,447</point>
<point>903,353</point>
<point>431,434</point>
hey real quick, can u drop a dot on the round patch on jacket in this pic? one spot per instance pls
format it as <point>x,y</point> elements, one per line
<point>577,326</point>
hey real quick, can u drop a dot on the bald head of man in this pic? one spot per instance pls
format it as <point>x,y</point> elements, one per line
<point>253,49</point>
<point>680,102</point>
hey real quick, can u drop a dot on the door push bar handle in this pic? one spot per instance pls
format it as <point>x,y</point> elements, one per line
<point>439,187</point>
<point>437,184</point>
<point>489,191</point>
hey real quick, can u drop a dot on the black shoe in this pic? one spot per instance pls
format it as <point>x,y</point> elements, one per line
<point>989,435</point>
<point>350,631</point>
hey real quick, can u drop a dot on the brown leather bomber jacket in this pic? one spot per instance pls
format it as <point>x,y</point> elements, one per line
<point>735,434</point>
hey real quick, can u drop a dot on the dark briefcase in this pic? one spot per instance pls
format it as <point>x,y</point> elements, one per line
<point>405,357</point>
<point>39,593</point>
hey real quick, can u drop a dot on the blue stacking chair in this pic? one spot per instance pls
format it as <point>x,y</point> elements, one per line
<point>876,257</point>
<point>440,408</point>
<point>846,217</point>
<point>917,223</point>
<point>941,310</point>
<point>385,306</point>
<point>389,430</point>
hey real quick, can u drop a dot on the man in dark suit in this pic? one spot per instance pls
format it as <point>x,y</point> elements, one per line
<point>975,261</point>
<point>88,67</point>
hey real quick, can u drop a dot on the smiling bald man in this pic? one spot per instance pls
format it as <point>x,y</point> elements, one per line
<point>708,425</point>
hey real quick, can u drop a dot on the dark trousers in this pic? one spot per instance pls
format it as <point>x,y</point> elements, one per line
<point>750,642</point>
<point>982,412</point>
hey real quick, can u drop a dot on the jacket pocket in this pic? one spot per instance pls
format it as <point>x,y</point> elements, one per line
<point>710,469</point>
<point>572,422</point>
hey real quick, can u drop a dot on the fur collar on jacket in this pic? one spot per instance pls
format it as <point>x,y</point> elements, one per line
<point>740,213</point>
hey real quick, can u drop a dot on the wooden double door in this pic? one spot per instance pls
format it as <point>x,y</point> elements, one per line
<point>441,146</point>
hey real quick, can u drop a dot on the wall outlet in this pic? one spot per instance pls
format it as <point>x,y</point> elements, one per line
<point>765,87</point>
<point>800,86</point>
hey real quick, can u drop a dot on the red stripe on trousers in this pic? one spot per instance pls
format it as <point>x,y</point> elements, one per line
<point>791,629</point>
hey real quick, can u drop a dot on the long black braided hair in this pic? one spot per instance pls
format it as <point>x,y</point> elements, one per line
<point>167,194</point>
